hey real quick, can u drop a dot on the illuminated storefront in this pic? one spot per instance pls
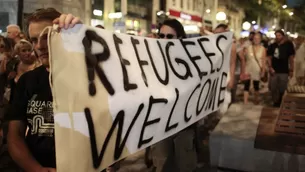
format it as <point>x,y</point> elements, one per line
<point>136,26</point>
<point>97,16</point>
<point>8,13</point>
<point>9,10</point>
<point>188,12</point>
<point>191,23</point>
<point>132,17</point>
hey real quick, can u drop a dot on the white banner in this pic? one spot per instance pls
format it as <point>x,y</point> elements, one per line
<point>115,94</point>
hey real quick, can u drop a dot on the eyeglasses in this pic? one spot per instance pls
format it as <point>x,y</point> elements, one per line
<point>168,36</point>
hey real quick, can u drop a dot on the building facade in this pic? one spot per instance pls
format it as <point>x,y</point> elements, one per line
<point>189,12</point>
<point>9,9</point>
<point>136,17</point>
<point>128,16</point>
<point>231,15</point>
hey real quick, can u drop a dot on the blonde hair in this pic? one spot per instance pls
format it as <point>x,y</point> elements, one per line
<point>21,43</point>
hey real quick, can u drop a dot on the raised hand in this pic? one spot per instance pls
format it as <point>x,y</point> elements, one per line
<point>66,21</point>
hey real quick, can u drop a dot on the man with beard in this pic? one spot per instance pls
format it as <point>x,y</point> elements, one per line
<point>281,65</point>
<point>32,103</point>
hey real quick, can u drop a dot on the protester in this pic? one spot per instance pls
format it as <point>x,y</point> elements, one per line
<point>6,65</point>
<point>2,77</point>
<point>255,57</point>
<point>6,48</point>
<point>180,145</point>
<point>27,62</point>
<point>281,66</point>
<point>23,36</point>
<point>251,36</point>
<point>13,32</point>
<point>36,152</point>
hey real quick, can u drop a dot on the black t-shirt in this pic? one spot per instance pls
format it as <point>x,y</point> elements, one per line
<point>32,103</point>
<point>280,56</point>
<point>264,43</point>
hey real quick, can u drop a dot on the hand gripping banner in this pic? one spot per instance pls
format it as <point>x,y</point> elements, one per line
<point>115,94</point>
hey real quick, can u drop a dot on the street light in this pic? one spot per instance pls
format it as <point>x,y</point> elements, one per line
<point>116,15</point>
<point>291,13</point>
<point>259,2</point>
<point>284,6</point>
<point>246,25</point>
<point>159,13</point>
<point>98,12</point>
<point>253,22</point>
<point>221,16</point>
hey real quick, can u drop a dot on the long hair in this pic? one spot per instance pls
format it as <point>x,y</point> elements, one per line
<point>176,25</point>
<point>8,44</point>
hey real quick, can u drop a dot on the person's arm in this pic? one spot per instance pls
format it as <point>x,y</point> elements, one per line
<point>18,148</point>
<point>3,65</point>
<point>242,59</point>
<point>208,32</point>
<point>232,65</point>
<point>291,60</point>
<point>242,56</point>
<point>291,69</point>
<point>264,61</point>
<point>269,59</point>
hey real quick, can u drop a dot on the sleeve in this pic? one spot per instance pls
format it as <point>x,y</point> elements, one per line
<point>270,50</point>
<point>17,110</point>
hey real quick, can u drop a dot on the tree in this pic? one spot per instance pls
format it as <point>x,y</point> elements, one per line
<point>270,9</point>
<point>299,17</point>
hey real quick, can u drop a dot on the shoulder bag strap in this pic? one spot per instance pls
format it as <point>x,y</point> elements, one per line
<point>256,58</point>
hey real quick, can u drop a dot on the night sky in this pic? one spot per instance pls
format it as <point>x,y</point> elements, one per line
<point>293,3</point>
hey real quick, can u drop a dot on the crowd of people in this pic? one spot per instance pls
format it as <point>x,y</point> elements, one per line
<point>270,61</point>
<point>24,75</point>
